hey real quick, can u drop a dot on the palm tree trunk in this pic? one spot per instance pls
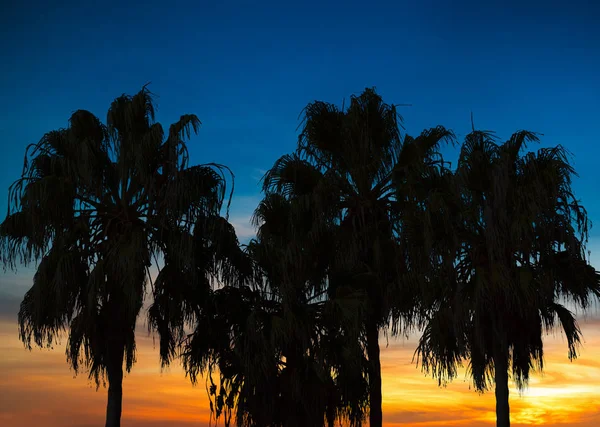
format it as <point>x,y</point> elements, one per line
<point>115,387</point>
<point>501,378</point>
<point>375,414</point>
<point>295,409</point>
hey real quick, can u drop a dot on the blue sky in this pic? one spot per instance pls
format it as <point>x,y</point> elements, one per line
<point>248,68</point>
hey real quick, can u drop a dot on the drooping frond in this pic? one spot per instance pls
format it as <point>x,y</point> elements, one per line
<point>514,248</point>
<point>441,348</point>
<point>47,307</point>
<point>130,115</point>
<point>322,134</point>
<point>568,324</point>
<point>96,204</point>
<point>291,176</point>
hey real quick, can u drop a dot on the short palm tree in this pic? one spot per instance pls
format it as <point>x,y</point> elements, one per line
<point>510,256</point>
<point>203,300</point>
<point>283,348</point>
<point>317,324</point>
<point>95,205</point>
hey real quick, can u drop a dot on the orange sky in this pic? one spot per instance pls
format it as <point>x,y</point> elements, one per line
<point>38,385</point>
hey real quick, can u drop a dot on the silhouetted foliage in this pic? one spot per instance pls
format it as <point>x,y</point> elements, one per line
<point>95,205</point>
<point>512,251</point>
<point>286,353</point>
<point>343,169</point>
<point>360,230</point>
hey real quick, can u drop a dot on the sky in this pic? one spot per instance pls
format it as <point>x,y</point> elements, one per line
<point>247,69</point>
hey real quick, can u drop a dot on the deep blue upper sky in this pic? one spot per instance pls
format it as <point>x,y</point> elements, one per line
<point>248,68</point>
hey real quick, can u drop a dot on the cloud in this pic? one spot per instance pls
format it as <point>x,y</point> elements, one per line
<point>16,283</point>
<point>258,173</point>
<point>43,388</point>
<point>9,307</point>
<point>242,209</point>
<point>243,227</point>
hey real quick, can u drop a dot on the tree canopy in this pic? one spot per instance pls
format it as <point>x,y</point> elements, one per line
<point>96,204</point>
<point>361,228</point>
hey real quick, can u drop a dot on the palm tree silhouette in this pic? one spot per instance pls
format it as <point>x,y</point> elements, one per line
<point>317,325</point>
<point>346,161</point>
<point>95,204</point>
<point>511,254</point>
<point>354,150</point>
<point>358,229</point>
<point>287,353</point>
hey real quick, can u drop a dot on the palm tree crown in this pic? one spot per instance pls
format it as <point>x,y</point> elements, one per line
<point>95,205</point>
<point>517,248</point>
<point>345,166</point>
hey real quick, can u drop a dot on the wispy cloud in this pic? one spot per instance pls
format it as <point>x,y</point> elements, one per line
<point>43,387</point>
<point>242,208</point>
<point>9,307</point>
<point>566,394</point>
<point>258,173</point>
<point>243,227</point>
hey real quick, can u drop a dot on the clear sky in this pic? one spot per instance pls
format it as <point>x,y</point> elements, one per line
<point>247,69</point>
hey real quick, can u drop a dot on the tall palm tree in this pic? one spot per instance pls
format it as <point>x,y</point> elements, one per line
<point>95,205</point>
<point>516,248</point>
<point>348,158</point>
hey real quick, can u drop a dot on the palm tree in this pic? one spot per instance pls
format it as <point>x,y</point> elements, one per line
<point>511,256</point>
<point>95,205</point>
<point>315,326</point>
<point>203,303</point>
<point>347,158</point>
<point>283,347</point>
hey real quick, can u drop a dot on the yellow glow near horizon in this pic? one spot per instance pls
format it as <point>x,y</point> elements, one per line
<point>38,385</point>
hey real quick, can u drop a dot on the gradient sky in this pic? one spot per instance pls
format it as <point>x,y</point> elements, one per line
<point>247,69</point>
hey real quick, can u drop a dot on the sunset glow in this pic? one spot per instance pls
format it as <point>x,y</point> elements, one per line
<point>373,159</point>
<point>39,386</point>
